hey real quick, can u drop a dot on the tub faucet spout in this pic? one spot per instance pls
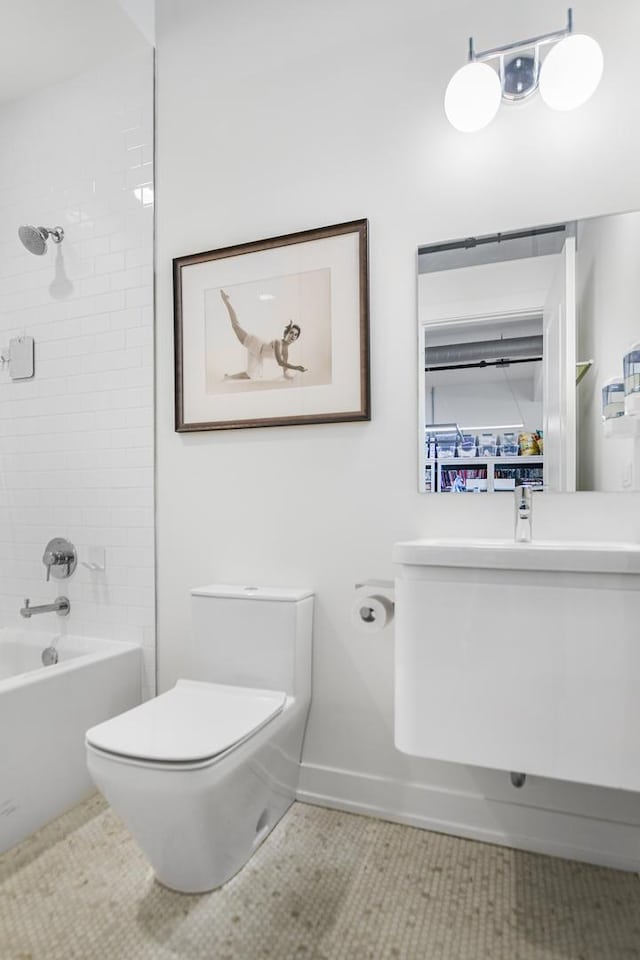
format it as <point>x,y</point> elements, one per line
<point>60,605</point>
<point>524,514</point>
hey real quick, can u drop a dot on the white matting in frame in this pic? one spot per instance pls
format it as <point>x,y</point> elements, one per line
<point>274,332</point>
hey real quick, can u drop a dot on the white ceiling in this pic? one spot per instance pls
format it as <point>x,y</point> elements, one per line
<point>45,41</point>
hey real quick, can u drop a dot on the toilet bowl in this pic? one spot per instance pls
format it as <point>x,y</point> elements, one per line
<point>201,774</point>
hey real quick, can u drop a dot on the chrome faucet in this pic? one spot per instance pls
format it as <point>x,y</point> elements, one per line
<point>60,605</point>
<point>524,514</point>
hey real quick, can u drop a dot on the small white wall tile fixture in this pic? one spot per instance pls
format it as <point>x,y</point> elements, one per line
<point>76,441</point>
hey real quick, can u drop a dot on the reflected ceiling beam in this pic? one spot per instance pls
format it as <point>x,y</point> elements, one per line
<point>453,356</point>
<point>504,362</point>
<point>494,248</point>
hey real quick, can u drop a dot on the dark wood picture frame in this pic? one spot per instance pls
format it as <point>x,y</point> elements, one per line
<point>304,298</point>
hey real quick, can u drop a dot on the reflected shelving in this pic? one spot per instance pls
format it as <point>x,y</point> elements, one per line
<point>483,475</point>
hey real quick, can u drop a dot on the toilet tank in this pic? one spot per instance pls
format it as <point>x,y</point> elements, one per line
<point>252,637</point>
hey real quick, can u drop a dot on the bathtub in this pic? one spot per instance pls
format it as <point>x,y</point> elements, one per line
<point>44,713</point>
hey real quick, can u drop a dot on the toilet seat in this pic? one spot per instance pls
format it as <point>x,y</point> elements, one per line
<point>193,723</point>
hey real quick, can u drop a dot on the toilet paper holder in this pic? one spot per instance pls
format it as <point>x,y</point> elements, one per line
<point>374,604</point>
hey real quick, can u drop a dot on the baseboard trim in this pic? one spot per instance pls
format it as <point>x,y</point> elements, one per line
<point>474,817</point>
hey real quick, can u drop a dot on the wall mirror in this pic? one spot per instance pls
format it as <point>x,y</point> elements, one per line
<point>519,334</point>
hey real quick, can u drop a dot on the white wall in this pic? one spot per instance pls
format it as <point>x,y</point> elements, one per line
<point>278,117</point>
<point>76,441</point>
<point>472,401</point>
<point>486,289</point>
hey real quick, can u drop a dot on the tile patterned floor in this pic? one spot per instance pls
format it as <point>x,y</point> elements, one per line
<point>324,886</point>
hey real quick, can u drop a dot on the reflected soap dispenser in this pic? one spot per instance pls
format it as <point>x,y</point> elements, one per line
<point>631,370</point>
<point>523,514</point>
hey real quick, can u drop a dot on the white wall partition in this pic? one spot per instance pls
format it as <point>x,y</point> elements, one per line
<point>76,441</point>
<point>608,293</point>
<point>273,118</point>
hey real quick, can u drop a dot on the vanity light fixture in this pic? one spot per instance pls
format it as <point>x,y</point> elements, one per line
<point>566,67</point>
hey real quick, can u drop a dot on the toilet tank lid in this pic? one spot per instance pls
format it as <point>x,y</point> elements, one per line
<point>251,592</point>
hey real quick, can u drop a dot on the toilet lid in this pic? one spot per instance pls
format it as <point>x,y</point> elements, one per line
<point>193,722</point>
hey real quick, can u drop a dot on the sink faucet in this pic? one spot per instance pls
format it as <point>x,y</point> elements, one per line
<point>524,514</point>
<point>60,606</point>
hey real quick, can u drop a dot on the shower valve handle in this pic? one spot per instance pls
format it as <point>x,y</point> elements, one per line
<point>59,556</point>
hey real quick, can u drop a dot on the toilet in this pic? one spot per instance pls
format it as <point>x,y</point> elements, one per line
<point>201,774</point>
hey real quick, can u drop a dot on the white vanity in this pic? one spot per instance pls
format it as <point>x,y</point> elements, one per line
<point>520,656</point>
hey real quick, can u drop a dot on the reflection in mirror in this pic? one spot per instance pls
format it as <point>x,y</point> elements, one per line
<point>518,335</point>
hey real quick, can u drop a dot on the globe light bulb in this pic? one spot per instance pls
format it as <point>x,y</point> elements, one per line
<point>571,72</point>
<point>472,97</point>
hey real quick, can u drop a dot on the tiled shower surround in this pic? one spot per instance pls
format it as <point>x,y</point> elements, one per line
<point>76,441</point>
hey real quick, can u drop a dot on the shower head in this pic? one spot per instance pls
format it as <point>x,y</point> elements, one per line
<point>34,239</point>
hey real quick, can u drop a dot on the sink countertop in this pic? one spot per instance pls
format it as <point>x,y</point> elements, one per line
<point>584,556</point>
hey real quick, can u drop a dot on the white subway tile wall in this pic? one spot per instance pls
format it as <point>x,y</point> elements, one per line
<point>76,441</point>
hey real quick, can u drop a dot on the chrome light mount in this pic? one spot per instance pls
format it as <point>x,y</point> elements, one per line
<point>519,62</point>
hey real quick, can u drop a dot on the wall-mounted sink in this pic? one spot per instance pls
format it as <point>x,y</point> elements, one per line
<point>583,556</point>
<point>520,656</point>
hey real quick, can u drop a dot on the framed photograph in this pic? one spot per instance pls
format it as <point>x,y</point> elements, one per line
<point>274,332</point>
